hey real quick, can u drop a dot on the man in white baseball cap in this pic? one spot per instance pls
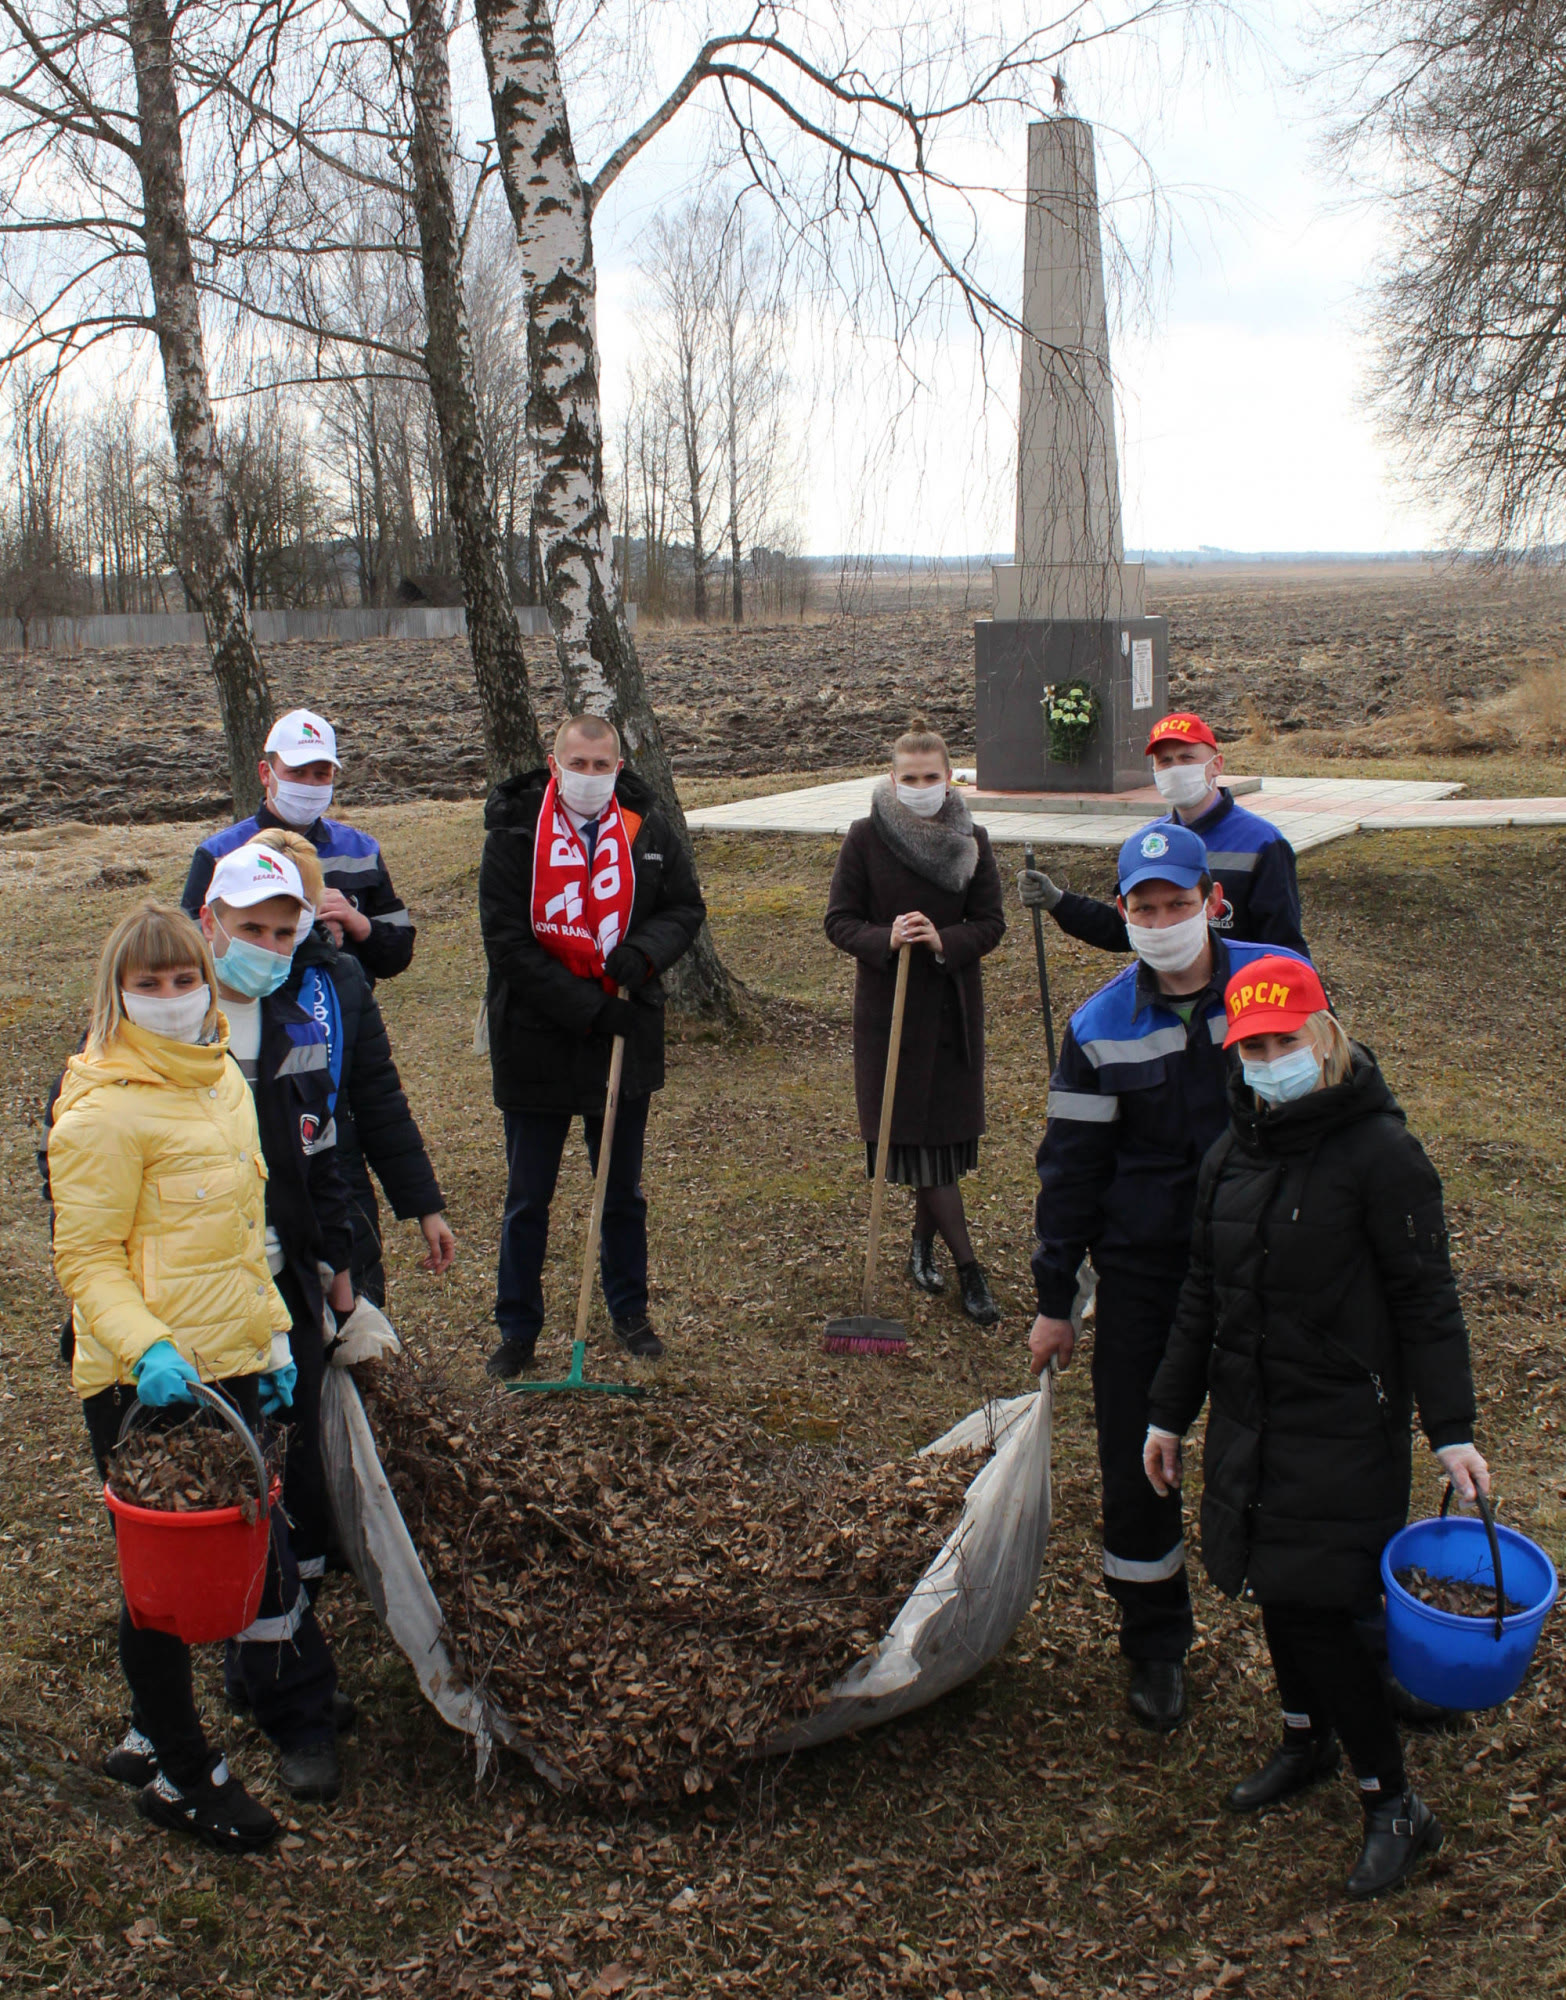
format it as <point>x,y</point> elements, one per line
<point>361,909</point>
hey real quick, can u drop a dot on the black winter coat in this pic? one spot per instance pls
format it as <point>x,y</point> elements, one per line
<point>548,1050</point>
<point>1318,1307</point>
<point>939,1099</point>
<point>376,1129</point>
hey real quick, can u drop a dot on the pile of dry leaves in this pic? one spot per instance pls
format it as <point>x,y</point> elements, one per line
<point>197,1464</point>
<point>651,1593</point>
<point>1445,1593</point>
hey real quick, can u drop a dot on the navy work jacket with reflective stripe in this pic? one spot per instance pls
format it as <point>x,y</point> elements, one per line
<point>1136,1100</point>
<point>1255,865</point>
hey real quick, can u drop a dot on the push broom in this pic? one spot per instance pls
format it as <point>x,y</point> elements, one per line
<point>573,1383</point>
<point>865,1332</point>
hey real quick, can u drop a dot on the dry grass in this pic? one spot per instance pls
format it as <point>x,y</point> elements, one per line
<point>1020,1838</point>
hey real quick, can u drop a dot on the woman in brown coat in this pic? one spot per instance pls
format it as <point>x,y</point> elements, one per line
<point>919,872</point>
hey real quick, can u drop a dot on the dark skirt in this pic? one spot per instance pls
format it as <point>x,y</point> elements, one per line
<point>925,1166</point>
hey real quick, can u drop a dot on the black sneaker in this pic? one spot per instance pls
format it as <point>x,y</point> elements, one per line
<point>510,1359</point>
<point>313,1772</point>
<point>636,1336</point>
<point>215,1808</point>
<point>132,1761</point>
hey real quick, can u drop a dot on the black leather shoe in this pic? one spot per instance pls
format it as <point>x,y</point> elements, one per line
<point>1291,1768</point>
<point>976,1300</point>
<point>921,1266</point>
<point>311,1773</point>
<point>1157,1693</point>
<point>636,1336</point>
<point>510,1359</point>
<point>1397,1832</point>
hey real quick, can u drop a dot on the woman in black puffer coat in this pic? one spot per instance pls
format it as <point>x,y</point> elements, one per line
<point>1319,1309</point>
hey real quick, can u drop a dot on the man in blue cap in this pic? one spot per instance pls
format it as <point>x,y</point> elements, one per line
<point>1138,1096</point>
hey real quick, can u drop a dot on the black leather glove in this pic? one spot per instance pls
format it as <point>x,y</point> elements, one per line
<point>628,967</point>
<point>617,1017</point>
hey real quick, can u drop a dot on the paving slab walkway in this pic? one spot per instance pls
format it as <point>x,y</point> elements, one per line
<point>1308,811</point>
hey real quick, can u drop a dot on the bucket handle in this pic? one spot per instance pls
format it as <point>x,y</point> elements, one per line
<point>211,1399</point>
<point>1487,1515</point>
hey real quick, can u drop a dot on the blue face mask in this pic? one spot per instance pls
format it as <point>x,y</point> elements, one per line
<point>1291,1076</point>
<point>249,971</point>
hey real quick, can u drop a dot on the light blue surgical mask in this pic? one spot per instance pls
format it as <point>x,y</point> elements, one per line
<point>250,971</point>
<point>1294,1075</point>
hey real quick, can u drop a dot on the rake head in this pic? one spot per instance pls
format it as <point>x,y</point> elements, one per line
<point>864,1333</point>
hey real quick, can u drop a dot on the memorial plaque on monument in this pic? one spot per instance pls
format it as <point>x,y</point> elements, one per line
<point>1070,608</point>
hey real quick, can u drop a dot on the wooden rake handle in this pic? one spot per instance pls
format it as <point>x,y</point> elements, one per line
<point>595,1222</point>
<point>894,1049</point>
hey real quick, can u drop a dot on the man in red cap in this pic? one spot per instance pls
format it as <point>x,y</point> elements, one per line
<point>1248,858</point>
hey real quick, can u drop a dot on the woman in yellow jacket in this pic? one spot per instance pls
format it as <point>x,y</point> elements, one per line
<point>158,1186</point>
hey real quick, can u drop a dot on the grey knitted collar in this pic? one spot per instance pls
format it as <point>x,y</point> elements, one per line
<point>943,850</point>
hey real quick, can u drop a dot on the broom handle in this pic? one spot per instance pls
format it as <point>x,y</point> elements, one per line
<point>595,1221</point>
<point>888,1088</point>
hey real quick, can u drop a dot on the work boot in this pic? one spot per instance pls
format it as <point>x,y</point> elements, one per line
<point>510,1359</point>
<point>976,1300</point>
<point>133,1760</point>
<point>1297,1763</point>
<point>1157,1693</point>
<point>636,1336</point>
<point>1397,1831</point>
<point>312,1772</point>
<point>214,1807</point>
<point>921,1265</point>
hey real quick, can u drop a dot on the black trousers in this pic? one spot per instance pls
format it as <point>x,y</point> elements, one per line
<point>535,1141</point>
<point>1144,1543</point>
<point>1328,1677</point>
<point>288,1677</point>
<point>368,1271</point>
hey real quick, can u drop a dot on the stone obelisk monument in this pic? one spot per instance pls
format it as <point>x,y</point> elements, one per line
<point>1070,607</point>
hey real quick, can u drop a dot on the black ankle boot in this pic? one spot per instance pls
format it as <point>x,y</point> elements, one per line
<point>1297,1762</point>
<point>976,1300</point>
<point>921,1265</point>
<point>1397,1831</point>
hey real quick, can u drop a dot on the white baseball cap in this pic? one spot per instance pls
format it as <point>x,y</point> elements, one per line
<point>253,875</point>
<point>302,737</point>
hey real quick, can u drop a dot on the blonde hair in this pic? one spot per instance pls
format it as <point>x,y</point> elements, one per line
<point>1332,1044</point>
<point>151,939</point>
<point>920,740</point>
<point>283,840</point>
<point>591,729</point>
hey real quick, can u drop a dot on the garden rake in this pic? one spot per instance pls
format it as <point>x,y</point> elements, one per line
<point>865,1332</point>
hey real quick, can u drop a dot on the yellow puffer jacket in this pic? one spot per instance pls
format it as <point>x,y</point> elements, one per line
<point>160,1210</point>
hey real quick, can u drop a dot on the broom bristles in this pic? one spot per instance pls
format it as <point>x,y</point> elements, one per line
<point>861,1343</point>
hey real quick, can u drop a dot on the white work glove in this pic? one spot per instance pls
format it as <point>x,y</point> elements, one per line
<point>1465,1467</point>
<point>1161,1460</point>
<point>365,1335</point>
<point>1037,891</point>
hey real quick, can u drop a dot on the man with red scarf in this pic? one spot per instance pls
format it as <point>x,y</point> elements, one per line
<point>586,898</point>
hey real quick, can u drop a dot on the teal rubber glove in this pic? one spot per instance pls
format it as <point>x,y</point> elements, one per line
<point>277,1389</point>
<point>164,1376</point>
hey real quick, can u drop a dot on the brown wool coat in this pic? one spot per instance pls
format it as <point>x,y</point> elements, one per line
<point>940,1075</point>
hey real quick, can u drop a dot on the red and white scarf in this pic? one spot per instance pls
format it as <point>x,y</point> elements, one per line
<point>580,916</point>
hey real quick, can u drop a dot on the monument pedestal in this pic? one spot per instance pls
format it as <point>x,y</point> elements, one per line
<point>1125,661</point>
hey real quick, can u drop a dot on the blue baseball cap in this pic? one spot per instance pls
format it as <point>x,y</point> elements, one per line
<point>1163,852</point>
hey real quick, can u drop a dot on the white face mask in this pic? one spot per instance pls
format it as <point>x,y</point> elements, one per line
<point>299,805</point>
<point>925,800</point>
<point>1171,947</point>
<point>586,792</point>
<point>177,1016</point>
<point>1184,785</point>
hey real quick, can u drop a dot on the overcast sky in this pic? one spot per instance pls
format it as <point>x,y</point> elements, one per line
<point>1240,400</point>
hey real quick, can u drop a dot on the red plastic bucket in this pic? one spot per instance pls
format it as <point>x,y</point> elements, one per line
<point>199,1576</point>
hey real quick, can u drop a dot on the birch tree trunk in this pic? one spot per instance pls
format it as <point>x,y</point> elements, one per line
<point>209,557</point>
<point>511,738</point>
<point>549,208</point>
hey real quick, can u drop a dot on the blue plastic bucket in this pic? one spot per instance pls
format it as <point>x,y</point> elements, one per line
<point>1459,1662</point>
